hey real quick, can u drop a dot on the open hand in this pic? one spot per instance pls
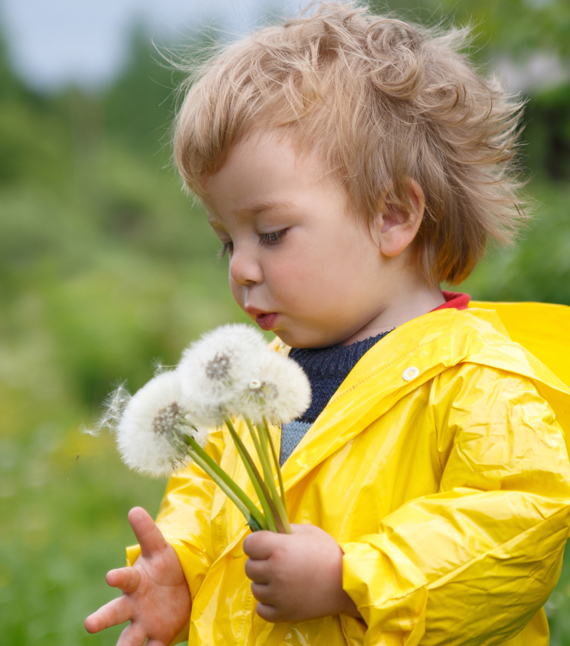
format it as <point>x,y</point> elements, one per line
<point>297,577</point>
<point>155,598</point>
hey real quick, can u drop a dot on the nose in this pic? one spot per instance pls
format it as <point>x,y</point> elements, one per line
<point>245,270</point>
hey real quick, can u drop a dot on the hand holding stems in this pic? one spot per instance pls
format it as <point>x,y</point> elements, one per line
<point>155,599</point>
<point>297,577</point>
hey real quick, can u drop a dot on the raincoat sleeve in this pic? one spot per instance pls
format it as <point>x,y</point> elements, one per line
<point>474,562</point>
<point>184,517</point>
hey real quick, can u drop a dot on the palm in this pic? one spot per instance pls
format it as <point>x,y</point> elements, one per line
<point>155,595</point>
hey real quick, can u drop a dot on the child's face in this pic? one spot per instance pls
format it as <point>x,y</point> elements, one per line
<point>301,263</point>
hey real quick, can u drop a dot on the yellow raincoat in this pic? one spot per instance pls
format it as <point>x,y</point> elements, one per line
<point>440,469</point>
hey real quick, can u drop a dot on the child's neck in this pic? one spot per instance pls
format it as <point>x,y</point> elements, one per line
<point>408,302</point>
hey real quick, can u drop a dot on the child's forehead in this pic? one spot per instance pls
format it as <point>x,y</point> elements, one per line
<point>264,171</point>
<point>286,142</point>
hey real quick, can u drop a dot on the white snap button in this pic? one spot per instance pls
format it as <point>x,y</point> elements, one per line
<point>410,373</point>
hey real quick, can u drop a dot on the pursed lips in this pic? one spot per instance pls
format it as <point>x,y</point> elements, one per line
<point>265,320</point>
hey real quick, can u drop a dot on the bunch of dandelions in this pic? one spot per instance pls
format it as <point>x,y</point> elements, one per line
<point>231,373</point>
<point>228,373</point>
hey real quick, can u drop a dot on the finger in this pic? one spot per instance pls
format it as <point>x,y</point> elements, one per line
<point>127,579</point>
<point>262,593</point>
<point>133,635</point>
<point>111,614</point>
<point>269,613</point>
<point>305,529</point>
<point>155,642</point>
<point>148,535</point>
<point>257,571</point>
<point>261,545</point>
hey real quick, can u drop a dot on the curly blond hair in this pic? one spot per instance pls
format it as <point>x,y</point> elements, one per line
<point>382,101</point>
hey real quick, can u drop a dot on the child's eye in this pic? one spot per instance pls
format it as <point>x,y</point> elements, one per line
<point>272,238</point>
<point>226,249</point>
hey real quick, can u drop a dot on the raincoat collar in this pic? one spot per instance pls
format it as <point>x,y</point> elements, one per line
<point>409,356</point>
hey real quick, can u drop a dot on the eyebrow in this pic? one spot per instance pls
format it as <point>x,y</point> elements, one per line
<point>258,207</point>
<point>266,205</point>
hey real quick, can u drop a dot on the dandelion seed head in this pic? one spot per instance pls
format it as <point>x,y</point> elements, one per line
<point>216,369</point>
<point>219,367</point>
<point>166,418</point>
<point>150,433</point>
<point>283,393</point>
<point>230,371</point>
<point>261,391</point>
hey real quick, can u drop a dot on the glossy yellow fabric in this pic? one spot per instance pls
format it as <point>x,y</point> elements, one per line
<point>449,494</point>
<point>542,328</point>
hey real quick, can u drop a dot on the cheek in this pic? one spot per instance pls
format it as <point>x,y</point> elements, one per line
<point>346,270</point>
<point>305,278</point>
<point>334,260</point>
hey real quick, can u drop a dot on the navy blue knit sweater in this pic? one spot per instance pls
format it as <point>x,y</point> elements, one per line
<point>326,369</point>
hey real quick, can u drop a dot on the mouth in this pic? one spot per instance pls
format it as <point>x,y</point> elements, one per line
<point>265,320</point>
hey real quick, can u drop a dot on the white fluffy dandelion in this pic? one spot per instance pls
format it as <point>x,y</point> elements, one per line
<point>215,370</point>
<point>278,390</point>
<point>150,433</point>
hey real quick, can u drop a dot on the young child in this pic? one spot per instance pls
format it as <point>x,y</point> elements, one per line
<point>349,164</point>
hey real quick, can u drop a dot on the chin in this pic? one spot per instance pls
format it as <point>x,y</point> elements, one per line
<point>305,338</point>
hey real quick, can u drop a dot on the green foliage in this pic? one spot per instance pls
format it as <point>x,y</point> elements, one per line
<point>547,133</point>
<point>516,26</point>
<point>538,267</point>
<point>513,26</point>
<point>138,110</point>
<point>105,266</point>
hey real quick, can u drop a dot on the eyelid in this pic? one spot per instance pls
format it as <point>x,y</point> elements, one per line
<point>273,237</point>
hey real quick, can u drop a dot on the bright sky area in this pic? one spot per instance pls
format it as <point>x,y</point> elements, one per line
<point>54,42</point>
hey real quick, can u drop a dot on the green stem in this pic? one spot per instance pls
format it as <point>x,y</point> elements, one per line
<point>276,463</point>
<point>271,513</point>
<point>269,477</point>
<point>234,492</point>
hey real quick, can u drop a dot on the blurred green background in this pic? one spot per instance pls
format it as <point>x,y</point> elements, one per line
<point>105,266</point>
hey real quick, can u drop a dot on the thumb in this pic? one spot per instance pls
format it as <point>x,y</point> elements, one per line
<point>148,535</point>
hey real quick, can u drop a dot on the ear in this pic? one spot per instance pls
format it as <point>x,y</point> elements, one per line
<point>395,227</point>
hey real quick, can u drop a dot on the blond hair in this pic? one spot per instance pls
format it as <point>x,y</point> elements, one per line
<point>382,101</point>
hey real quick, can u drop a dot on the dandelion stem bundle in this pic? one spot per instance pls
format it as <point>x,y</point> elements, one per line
<point>232,490</point>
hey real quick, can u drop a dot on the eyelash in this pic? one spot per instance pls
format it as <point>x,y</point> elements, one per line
<point>269,239</point>
<point>226,249</point>
<point>272,238</point>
